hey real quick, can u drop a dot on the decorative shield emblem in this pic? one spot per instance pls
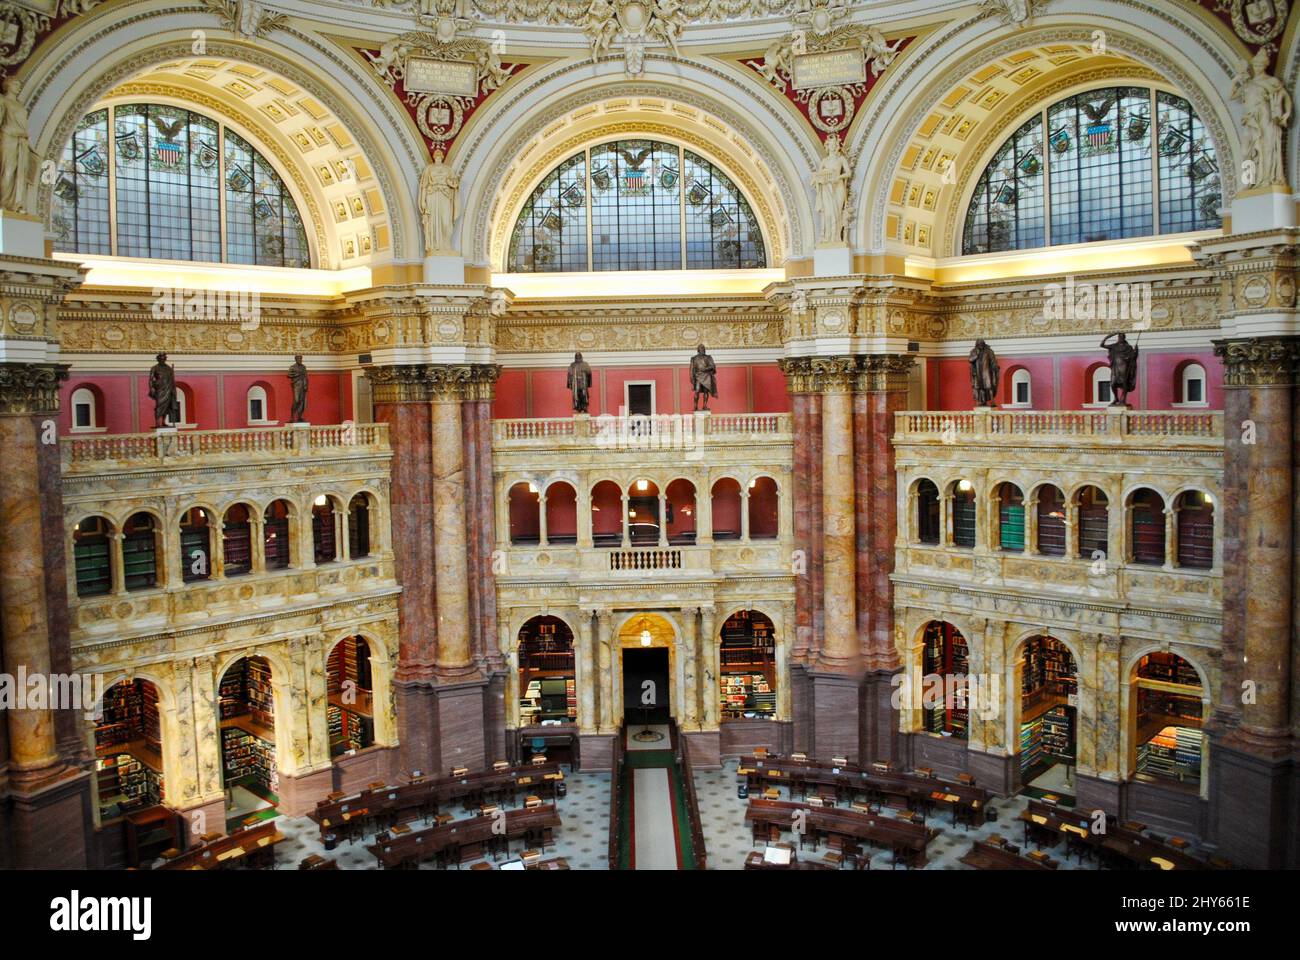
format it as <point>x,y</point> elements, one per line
<point>1101,136</point>
<point>167,153</point>
<point>573,195</point>
<point>1138,127</point>
<point>91,161</point>
<point>1060,140</point>
<point>1006,195</point>
<point>1173,141</point>
<point>238,179</point>
<point>128,146</point>
<point>668,178</point>
<point>634,183</point>
<point>600,177</point>
<point>697,193</point>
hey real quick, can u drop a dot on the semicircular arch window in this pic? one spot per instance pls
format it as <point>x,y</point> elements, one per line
<point>636,205</point>
<point>161,182</point>
<point>1094,167</point>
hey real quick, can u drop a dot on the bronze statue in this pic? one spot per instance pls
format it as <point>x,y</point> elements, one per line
<point>1123,368</point>
<point>298,380</point>
<point>704,378</point>
<point>983,374</point>
<point>579,383</point>
<point>162,391</point>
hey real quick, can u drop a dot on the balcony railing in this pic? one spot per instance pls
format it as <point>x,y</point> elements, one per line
<point>1103,426</point>
<point>171,448</point>
<point>650,431</point>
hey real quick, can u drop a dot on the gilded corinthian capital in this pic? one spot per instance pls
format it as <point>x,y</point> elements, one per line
<point>1259,361</point>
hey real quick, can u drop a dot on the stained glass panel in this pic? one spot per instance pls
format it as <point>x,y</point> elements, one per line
<point>639,195</point>
<point>1098,155</point>
<point>80,217</point>
<point>551,233</point>
<point>167,167</point>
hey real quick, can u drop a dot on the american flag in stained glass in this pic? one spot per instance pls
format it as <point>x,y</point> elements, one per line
<point>1100,135</point>
<point>634,182</point>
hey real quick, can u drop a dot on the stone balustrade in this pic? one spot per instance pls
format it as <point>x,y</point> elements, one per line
<point>1107,425</point>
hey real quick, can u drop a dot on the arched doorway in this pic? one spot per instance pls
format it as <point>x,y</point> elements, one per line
<point>1168,701</point>
<point>647,668</point>
<point>945,654</point>
<point>248,764</point>
<point>128,749</point>
<point>1048,735</point>
<point>547,679</point>
<point>350,713</point>
<point>748,667</point>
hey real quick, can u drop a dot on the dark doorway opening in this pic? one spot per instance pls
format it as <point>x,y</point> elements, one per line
<point>640,400</point>
<point>645,685</point>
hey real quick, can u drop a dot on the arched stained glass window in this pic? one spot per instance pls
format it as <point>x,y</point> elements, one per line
<point>167,167</point>
<point>1094,167</point>
<point>636,205</point>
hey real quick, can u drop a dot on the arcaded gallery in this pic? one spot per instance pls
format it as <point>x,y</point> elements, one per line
<point>649,435</point>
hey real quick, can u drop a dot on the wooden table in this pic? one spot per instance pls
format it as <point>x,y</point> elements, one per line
<point>989,856</point>
<point>1049,823</point>
<point>454,837</point>
<point>907,840</point>
<point>247,847</point>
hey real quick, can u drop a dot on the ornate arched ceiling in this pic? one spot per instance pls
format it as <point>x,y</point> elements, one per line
<point>969,122</point>
<point>336,187</point>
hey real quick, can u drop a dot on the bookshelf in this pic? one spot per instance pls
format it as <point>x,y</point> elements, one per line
<point>350,715</point>
<point>547,674</point>
<point>128,747</point>
<point>1031,746</point>
<point>1055,737</point>
<point>126,783</point>
<point>138,559</point>
<point>747,695</point>
<point>946,654</point>
<point>91,557</point>
<point>246,759</point>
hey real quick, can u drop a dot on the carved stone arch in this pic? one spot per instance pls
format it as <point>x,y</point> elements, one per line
<point>1192,56</point>
<point>63,90</point>
<point>1191,654</point>
<point>764,138</point>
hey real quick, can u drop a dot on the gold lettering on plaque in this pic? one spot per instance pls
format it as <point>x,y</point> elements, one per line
<point>830,69</point>
<point>454,77</point>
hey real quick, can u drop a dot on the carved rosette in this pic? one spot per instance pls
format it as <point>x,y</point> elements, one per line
<point>31,388</point>
<point>1259,361</point>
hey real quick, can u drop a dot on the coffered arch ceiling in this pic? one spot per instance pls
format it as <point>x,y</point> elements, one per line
<point>990,80</point>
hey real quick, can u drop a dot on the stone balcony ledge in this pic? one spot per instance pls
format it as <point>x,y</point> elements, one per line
<point>107,453</point>
<point>647,433</point>
<point>1108,426</point>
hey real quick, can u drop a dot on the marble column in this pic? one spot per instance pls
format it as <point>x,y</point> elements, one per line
<point>588,721</point>
<point>451,571</point>
<point>840,649</point>
<point>798,383</point>
<point>1251,748</point>
<point>28,397</point>
<point>689,715</point>
<point>604,645</point>
<point>710,682</point>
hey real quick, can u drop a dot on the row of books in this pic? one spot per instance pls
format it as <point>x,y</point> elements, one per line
<point>246,757</point>
<point>747,695</point>
<point>130,713</point>
<point>123,779</point>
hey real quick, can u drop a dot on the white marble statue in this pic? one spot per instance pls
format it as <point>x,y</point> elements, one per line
<point>877,51</point>
<point>16,157</point>
<point>439,187</point>
<point>831,181</point>
<point>600,24</point>
<point>1266,111</point>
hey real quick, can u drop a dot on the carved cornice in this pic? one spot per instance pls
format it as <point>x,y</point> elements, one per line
<point>31,388</point>
<point>1259,361</point>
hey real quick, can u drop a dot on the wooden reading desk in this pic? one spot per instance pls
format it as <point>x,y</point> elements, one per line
<point>247,847</point>
<point>1045,824</point>
<point>907,840</point>
<point>988,856</point>
<point>410,849</point>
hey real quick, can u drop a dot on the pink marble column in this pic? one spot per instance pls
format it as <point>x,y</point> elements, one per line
<point>802,483</point>
<point>401,401</point>
<point>451,568</point>
<point>487,518</point>
<point>469,433</point>
<point>840,649</point>
<point>816,569</point>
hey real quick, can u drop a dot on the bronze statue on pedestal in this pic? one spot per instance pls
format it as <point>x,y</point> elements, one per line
<point>704,378</point>
<point>1123,368</point>
<point>298,380</point>
<point>983,374</point>
<point>579,383</point>
<point>162,391</point>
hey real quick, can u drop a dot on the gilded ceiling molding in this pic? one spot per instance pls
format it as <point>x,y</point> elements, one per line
<point>559,152</point>
<point>1259,361</point>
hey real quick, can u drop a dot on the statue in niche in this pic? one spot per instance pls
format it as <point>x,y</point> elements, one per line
<point>162,391</point>
<point>1123,368</point>
<point>983,374</point>
<point>704,378</point>
<point>16,156</point>
<point>438,188</point>
<point>579,383</point>
<point>831,181</point>
<point>298,381</point>
<point>1266,111</point>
